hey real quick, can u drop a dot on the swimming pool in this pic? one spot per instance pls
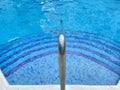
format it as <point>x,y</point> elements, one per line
<point>28,53</point>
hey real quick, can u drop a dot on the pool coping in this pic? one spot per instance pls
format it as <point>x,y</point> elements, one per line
<point>4,85</point>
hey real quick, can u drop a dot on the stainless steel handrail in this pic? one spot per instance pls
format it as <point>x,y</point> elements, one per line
<point>62,59</point>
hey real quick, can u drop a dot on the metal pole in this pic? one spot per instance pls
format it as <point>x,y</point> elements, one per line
<point>62,59</point>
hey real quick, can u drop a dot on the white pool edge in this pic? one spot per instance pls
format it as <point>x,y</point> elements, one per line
<point>4,85</point>
<point>3,81</point>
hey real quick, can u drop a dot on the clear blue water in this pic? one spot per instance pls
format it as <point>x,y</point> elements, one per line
<point>28,41</point>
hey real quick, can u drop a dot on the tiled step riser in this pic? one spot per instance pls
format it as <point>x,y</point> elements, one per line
<point>100,37</point>
<point>8,58</point>
<point>87,51</point>
<point>15,43</point>
<point>115,48</point>
<point>4,51</point>
<point>38,43</point>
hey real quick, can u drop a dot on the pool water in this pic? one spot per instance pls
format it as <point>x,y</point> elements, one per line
<point>29,32</point>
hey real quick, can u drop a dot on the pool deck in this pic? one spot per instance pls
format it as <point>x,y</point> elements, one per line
<point>5,86</point>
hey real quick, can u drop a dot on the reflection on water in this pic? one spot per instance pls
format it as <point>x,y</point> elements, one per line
<point>101,16</point>
<point>26,17</point>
